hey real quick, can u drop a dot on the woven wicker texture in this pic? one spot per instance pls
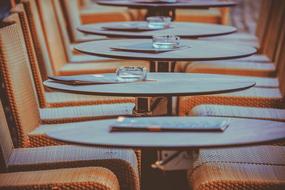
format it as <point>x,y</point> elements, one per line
<point>56,99</point>
<point>239,36</point>
<point>37,80</point>
<point>269,43</point>
<point>22,98</point>
<point>181,66</point>
<point>93,68</point>
<point>122,163</point>
<point>84,113</point>
<point>38,38</point>
<point>80,178</point>
<point>232,68</point>
<point>237,176</point>
<point>239,112</point>
<point>17,81</point>
<point>59,44</point>
<point>260,155</point>
<point>72,12</point>
<point>6,144</point>
<point>254,97</point>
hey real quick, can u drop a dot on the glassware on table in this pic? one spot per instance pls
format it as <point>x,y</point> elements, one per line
<point>131,74</point>
<point>165,42</point>
<point>158,22</point>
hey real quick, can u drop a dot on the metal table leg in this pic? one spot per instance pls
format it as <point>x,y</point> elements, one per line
<point>162,12</point>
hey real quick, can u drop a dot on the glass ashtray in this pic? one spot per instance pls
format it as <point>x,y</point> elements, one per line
<point>158,22</point>
<point>166,42</point>
<point>131,74</point>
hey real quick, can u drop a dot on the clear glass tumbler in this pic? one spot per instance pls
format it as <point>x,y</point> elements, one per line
<point>131,73</point>
<point>165,42</point>
<point>158,22</point>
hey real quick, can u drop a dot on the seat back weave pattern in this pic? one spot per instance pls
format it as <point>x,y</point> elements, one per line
<point>38,38</point>
<point>273,32</point>
<point>18,82</point>
<point>71,10</point>
<point>53,36</point>
<point>6,144</point>
<point>37,78</point>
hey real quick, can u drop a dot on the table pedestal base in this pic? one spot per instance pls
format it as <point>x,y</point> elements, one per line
<point>153,106</point>
<point>176,160</point>
<point>162,66</point>
<point>161,12</point>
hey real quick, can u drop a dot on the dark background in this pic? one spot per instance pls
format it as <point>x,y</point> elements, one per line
<point>4,8</point>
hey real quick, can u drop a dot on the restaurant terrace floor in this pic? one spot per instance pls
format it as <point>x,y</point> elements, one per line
<point>142,94</point>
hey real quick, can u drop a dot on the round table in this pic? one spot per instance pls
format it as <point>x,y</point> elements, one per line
<point>158,85</point>
<point>193,50</point>
<point>166,9</point>
<point>241,132</point>
<point>181,29</point>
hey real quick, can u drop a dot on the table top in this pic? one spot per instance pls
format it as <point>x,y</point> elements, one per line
<point>195,50</point>
<point>241,132</point>
<point>181,29</point>
<point>181,4</point>
<point>160,84</point>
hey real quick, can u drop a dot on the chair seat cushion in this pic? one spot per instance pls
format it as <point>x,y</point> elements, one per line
<point>262,155</point>
<point>239,36</point>
<point>84,113</point>
<point>61,99</point>
<point>181,66</point>
<point>75,178</point>
<point>258,58</point>
<point>92,68</point>
<point>232,67</point>
<point>237,176</point>
<point>253,97</point>
<point>208,16</point>
<point>239,112</point>
<point>122,163</point>
<point>79,58</point>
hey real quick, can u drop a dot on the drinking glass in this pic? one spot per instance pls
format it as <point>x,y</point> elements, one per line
<point>131,73</point>
<point>165,42</point>
<point>158,22</point>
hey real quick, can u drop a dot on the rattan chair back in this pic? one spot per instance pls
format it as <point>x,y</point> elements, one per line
<point>264,18</point>
<point>53,34</point>
<point>281,60</point>
<point>38,38</point>
<point>17,80</point>
<point>37,78</point>
<point>6,144</point>
<point>71,11</point>
<point>272,34</point>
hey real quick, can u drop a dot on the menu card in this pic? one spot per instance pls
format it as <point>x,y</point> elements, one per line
<point>170,124</point>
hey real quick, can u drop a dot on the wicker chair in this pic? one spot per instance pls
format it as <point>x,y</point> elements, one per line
<point>50,115</point>
<point>122,162</point>
<point>76,16</point>
<point>38,55</point>
<point>237,176</point>
<point>262,40</point>
<point>262,98</point>
<point>56,99</point>
<point>247,68</point>
<point>63,62</point>
<point>255,97</point>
